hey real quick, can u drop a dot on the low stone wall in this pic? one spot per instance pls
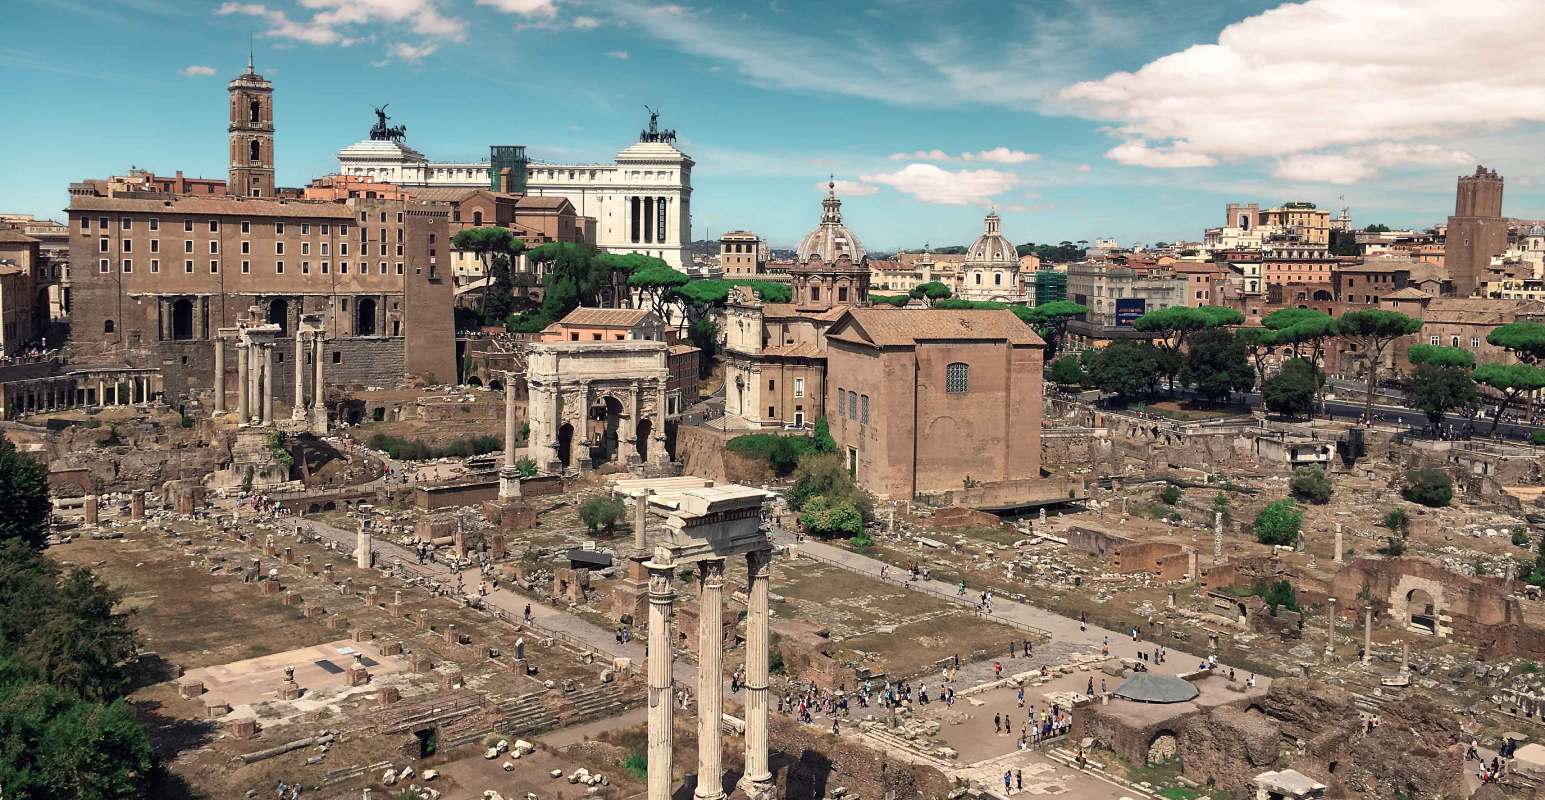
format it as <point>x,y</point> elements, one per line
<point>468,493</point>
<point>810,765</point>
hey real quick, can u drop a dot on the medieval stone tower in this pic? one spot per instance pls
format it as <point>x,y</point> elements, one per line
<point>1477,230</point>
<point>252,135</point>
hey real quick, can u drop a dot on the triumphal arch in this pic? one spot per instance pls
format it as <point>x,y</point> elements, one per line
<point>591,403</point>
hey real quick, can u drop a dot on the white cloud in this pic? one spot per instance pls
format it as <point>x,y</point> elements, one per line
<point>1323,168</point>
<point>197,71</point>
<point>408,52</point>
<point>849,188</point>
<point>1083,168</point>
<point>335,22</point>
<point>998,155</point>
<point>585,23</point>
<point>1353,79</point>
<point>1001,155</point>
<point>525,8</point>
<point>932,184</point>
<point>617,54</point>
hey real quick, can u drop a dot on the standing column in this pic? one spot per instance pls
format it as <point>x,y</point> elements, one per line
<point>758,572</point>
<point>362,548</point>
<point>319,393</point>
<point>242,410</point>
<point>509,477</point>
<point>661,597</point>
<point>299,411</point>
<point>101,392</point>
<point>1339,557</point>
<point>219,374</point>
<point>1330,628</point>
<point>1367,635</point>
<point>268,384</point>
<point>255,380</point>
<point>710,678</point>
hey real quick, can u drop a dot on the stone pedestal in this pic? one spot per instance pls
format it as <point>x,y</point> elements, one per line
<point>92,508</point>
<point>190,689</point>
<point>388,695</point>
<point>243,728</point>
<point>290,690</point>
<point>358,674</point>
<point>137,504</point>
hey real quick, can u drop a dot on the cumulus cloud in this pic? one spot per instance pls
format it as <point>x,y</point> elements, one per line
<point>585,23</point>
<point>621,55</point>
<point>932,184</point>
<point>1323,168</point>
<point>1353,79</point>
<point>197,71</point>
<point>336,22</point>
<point>849,188</point>
<point>408,52</point>
<point>999,155</point>
<point>525,8</point>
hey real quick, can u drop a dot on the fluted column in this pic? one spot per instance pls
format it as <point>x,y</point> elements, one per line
<point>509,478</point>
<point>319,392</point>
<point>661,697</point>
<point>299,411</point>
<point>710,678</point>
<point>242,409</point>
<point>758,570</point>
<point>219,375</point>
<point>268,384</point>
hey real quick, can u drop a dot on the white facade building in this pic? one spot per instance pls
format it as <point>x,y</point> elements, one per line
<point>642,203</point>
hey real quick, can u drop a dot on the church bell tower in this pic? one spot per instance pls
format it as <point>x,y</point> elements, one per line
<point>252,135</point>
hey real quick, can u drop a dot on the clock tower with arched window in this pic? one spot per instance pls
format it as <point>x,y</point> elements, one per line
<point>252,135</point>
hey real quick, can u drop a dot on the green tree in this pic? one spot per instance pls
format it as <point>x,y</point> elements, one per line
<point>931,292</point>
<point>1511,381</point>
<point>704,335</point>
<point>1278,594</point>
<point>1429,487</point>
<point>1258,344</point>
<point>1065,371</point>
<point>1311,484</point>
<point>601,513</point>
<point>1397,520</point>
<point>58,745</point>
<point>1278,523</point>
<point>486,243</point>
<point>831,516</point>
<point>897,300</point>
<point>1441,381</point>
<point>1216,365</point>
<point>1525,340</point>
<point>824,475</point>
<point>24,503</point>
<point>1176,324</point>
<point>1377,228</point>
<point>1292,390</point>
<point>1170,495</point>
<point>1302,327</point>
<point>1050,321</point>
<point>822,437</point>
<point>1373,329</point>
<point>656,282</point>
<point>1125,368</point>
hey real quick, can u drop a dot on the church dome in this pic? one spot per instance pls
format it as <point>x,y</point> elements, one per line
<point>831,239</point>
<point>992,247</point>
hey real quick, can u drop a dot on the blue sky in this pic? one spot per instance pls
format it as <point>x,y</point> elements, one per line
<point>1136,119</point>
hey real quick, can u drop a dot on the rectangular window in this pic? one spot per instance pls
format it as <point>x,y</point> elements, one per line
<point>324,248</point>
<point>278,267</point>
<point>246,226</point>
<point>214,246</point>
<point>305,267</point>
<point>278,248</point>
<point>863,413</point>
<point>102,245</point>
<point>246,267</point>
<point>214,226</point>
<point>125,222</point>
<point>1433,340</point>
<point>102,266</point>
<point>957,377</point>
<point>842,403</point>
<point>1475,342</point>
<point>399,249</point>
<point>324,267</point>
<point>278,227</point>
<point>770,384</point>
<point>126,246</point>
<point>343,267</point>
<point>343,229</point>
<point>383,267</point>
<point>155,224</point>
<point>128,265</point>
<point>383,248</point>
<point>305,247</point>
<point>214,267</point>
<point>187,265</point>
<point>399,267</point>
<point>305,229</point>
<point>799,387</point>
<point>246,247</point>
<point>187,226</point>
<point>343,248</point>
<point>338,359</point>
<point>155,245</point>
<point>102,223</point>
<point>155,265</point>
<point>326,229</point>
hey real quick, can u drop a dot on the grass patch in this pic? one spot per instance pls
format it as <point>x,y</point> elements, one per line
<point>1184,412</point>
<point>1179,793</point>
<point>637,765</point>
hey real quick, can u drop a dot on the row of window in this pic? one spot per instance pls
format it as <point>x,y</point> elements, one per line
<point>853,406</point>
<point>127,266</point>
<point>1453,341</point>
<point>154,223</point>
<point>127,246</point>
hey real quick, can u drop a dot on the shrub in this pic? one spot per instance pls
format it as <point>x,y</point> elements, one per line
<point>418,450</point>
<point>832,516</point>
<point>1310,483</point>
<point>1520,538</point>
<point>1170,495</point>
<point>600,513</point>
<point>824,475</point>
<point>187,421</point>
<point>1278,523</point>
<point>1065,371</point>
<point>637,765</point>
<point>862,540</point>
<point>822,438</point>
<point>1537,436</point>
<point>780,452</point>
<point>1397,520</point>
<point>1430,487</point>
<point>1277,594</point>
<point>525,467</point>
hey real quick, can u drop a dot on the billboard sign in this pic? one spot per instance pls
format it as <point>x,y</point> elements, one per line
<point>1128,309</point>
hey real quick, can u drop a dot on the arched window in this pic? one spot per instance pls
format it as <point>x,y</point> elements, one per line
<point>254,150</point>
<point>252,111</point>
<point>957,377</point>
<point>477,217</point>
<point>107,327</point>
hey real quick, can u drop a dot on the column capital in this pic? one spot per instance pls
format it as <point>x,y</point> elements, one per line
<point>710,573</point>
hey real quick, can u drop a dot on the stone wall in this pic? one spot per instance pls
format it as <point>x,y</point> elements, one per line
<point>809,765</point>
<point>1228,746</point>
<point>703,454</point>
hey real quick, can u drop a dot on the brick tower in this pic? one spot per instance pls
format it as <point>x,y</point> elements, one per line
<point>252,135</point>
<point>1477,230</point>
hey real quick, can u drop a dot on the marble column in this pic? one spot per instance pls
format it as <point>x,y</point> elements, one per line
<point>1367,635</point>
<point>268,384</point>
<point>219,375</point>
<point>509,478</point>
<point>319,393</point>
<point>758,572</point>
<point>242,409</point>
<point>254,382</point>
<point>1330,628</point>
<point>298,413</point>
<point>661,696</point>
<point>710,678</point>
<point>1339,557</point>
<point>362,548</point>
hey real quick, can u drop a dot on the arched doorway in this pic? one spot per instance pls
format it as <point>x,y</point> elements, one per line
<point>182,319</point>
<point>495,384</point>
<point>365,317</point>
<point>565,443</point>
<point>1422,611</point>
<point>475,381</point>
<point>1163,748</point>
<point>279,314</point>
<point>645,426</point>
<point>605,418</point>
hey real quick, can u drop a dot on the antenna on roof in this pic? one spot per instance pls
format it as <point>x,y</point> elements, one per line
<point>250,69</point>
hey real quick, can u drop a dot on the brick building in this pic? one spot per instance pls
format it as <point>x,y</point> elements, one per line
<point>922,399</point>
<point>1476,231</point>
<point>157,275</point>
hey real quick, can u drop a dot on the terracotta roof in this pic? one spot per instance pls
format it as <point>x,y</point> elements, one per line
<point>806,349</point>
<point>13,235</point>
<point>611,317</point>
<point>215,206</point>
<point>541,201</point>
<point>1408,293</point>
<point>908,326</point>
<point>443,195</point>
<point>1472,310</point>
<point>883,264</point>
<point>678,349</point>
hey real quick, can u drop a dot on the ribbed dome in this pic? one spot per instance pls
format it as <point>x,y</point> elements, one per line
<point>992,248</point>
<point>831,238</point>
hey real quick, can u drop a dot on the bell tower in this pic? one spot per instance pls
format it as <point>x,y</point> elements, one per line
<point>252,135</point>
